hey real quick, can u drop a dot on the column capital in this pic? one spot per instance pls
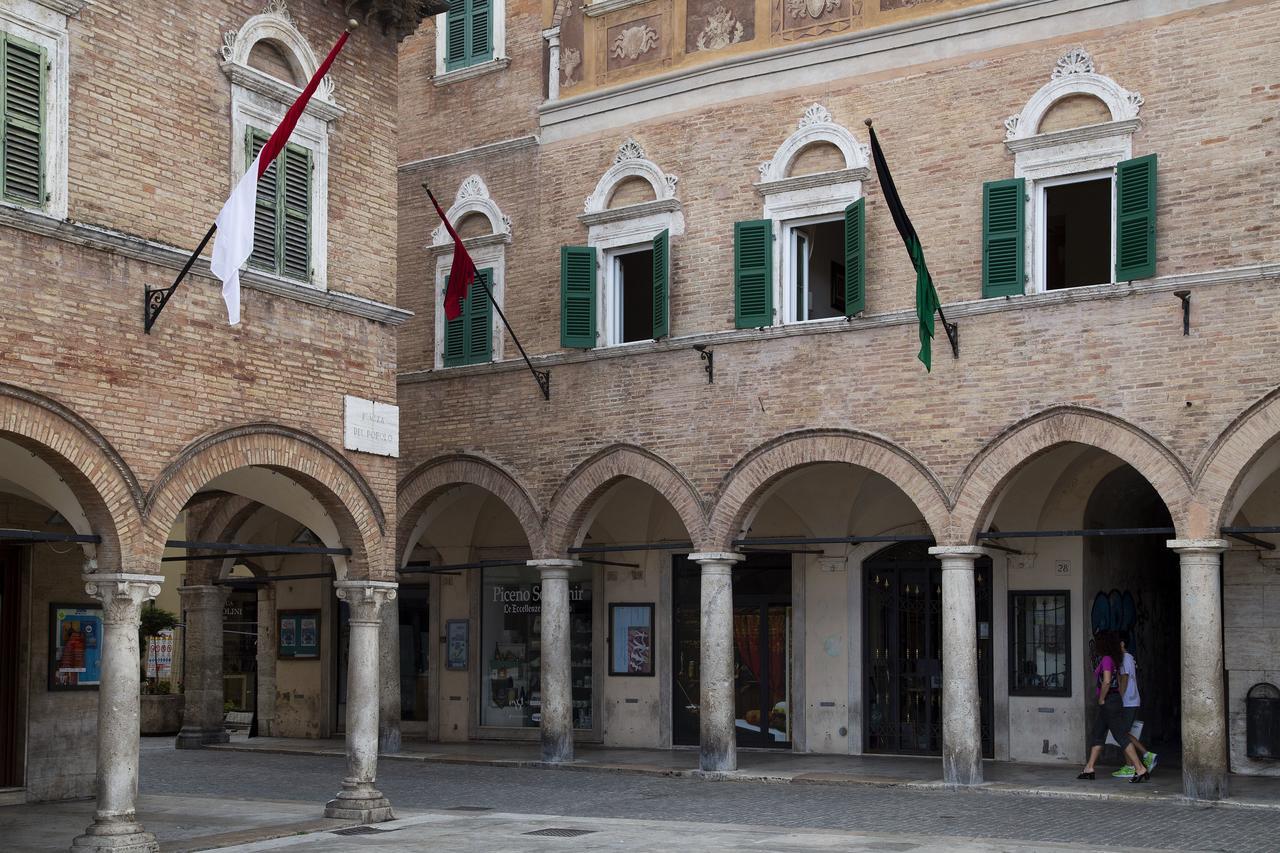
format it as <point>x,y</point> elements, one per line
<point>971,553</point>
<point>122,595</point>
<point>729,557</point>
<point>365,598</point>
<point>205,594</point>
<point>1197,546</point>
<point>554,568</point>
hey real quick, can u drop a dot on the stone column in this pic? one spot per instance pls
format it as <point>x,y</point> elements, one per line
<point>961,705</point>
<point>115,823</point>
<point>202,708</point>
<point>359,799</point>
<point>556,676</point>
<point>552,36</point>
<point>717,734</point>
<point>389,681</point>
<point>1204,705</point>
<point>266,660</point>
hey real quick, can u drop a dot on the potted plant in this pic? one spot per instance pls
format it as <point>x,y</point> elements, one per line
<point>161,705</point>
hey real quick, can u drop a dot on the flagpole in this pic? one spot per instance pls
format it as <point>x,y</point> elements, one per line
<point>153,301</point>
<point>542,377</point>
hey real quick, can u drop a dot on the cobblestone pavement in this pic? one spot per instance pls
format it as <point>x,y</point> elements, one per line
<point>410,785</point>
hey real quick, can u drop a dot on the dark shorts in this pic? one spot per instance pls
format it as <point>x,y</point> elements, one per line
<point>1130,717</point>
<point>1110,718</point>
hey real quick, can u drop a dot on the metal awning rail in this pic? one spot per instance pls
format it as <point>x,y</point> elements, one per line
<point>15,535</point>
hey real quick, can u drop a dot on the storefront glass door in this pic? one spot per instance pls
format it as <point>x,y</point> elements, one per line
<point>415,651</point>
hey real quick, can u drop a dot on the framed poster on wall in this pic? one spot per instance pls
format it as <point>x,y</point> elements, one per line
<point>631,639</point>
<point>75,646</point>
<point>299,634</point>
<point>457,643</point>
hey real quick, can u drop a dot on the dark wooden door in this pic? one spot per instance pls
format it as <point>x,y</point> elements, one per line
<point>10,635</point>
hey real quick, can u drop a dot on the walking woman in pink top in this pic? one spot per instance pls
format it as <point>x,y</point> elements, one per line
<point>1110,709</point>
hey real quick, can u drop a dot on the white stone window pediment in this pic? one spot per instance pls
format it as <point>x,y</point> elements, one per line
<point>473,197</point>
<point>816,125</point>
<point>631,162</point>
<point>276,25</point>
<point>1073,75</point>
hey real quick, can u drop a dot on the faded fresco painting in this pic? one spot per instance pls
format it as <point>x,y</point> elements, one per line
<point>717,24</point>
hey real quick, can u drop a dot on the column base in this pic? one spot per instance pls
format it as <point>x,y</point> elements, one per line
<point>197,738</point>
<point>1203,786</point>
<point>557,750</point>
<point>961,771</point>
<point>364,804</point>
<point>718,760</point>
<point>121,836</point>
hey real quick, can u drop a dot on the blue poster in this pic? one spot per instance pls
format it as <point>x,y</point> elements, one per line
<point>76,655</point>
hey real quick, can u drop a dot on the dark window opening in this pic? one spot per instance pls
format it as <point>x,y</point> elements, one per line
<point>817,270</point>
<point>1040,643</point>
<point>635,296</point>
<point>1077,234</point>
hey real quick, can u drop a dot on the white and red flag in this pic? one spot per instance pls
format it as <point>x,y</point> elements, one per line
<point>234,243</point>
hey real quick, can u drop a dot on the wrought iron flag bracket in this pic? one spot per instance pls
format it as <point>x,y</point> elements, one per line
<point>153,301</point>
<point>953,333</point>
<point>709,357</point>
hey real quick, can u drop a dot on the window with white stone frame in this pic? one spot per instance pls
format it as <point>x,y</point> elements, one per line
<point>268,63</point>
<point>616,289</point>
<point>475,337</point>
<point>471,39</point>
<point>803,261</point>
<point>1080,209</point>
<point>35,65</point>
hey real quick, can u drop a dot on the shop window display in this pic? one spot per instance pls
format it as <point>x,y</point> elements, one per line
<point>511,647</point>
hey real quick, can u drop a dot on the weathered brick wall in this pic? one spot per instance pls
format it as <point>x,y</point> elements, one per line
<point>1211,94</point>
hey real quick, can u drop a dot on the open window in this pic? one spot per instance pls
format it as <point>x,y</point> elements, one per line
<point>804,260</point>
<point>1080,210</point>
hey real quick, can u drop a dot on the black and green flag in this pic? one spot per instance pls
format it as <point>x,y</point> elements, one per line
<point>926,295</point>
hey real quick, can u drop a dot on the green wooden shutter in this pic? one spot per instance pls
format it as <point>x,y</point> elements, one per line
<point>577,296</point>
<point>455,334</point>
<point>1136,218</point>
<point>22,109</point>
<point>455,38</point>
<point>855,257</point>
<point>661,267</point>
<point>480,48</point>
<point>479,315</point>
<point>265,220</point>
<point>753,273</point>
<point>1002,237</point>
<point>295,213</point>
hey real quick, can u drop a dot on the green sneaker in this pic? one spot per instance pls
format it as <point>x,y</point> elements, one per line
<point>1149,761</point>
<point>1125,772</point>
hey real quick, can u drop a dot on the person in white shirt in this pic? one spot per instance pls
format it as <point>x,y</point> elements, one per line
<point>1132,699</point>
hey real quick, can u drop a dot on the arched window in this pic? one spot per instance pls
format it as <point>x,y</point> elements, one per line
<point>1080,209</point>
<point>268,62</point>
<point>804,259</point>
<point>475,337</point>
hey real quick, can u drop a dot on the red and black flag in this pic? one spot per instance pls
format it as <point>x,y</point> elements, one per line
<point>926,296</point>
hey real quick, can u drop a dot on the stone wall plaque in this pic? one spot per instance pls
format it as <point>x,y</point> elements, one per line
<point>635,42</point>
<point>717,24</point>
<point>793,19</point>
<point>371,427</point>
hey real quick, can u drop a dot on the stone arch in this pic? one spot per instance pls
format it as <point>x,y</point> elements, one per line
<point>223,524</point>
<point>98,478</point>
<point>432,478</point>
<point>323,473</point>
<point>1229,471</point>
<point>816,125</point>
<point>276,26</point>
<point>991,470</point>
<point>631,162</point>
<point>761,467</point>
<point>1073,75</point>
<point>577,495</point>
<point>473,197</point>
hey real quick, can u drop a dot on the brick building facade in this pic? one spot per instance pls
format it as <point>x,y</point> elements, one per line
<point>125,128</point>
<point>778,422</point>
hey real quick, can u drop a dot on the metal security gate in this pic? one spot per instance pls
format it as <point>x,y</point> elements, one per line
<point>902,651</point>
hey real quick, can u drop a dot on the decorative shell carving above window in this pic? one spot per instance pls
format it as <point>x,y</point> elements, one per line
<point>473,197</point>
<point>631,162</point>
<point>816,125</point>
<point>1074,74</point>
<point>276,25</point>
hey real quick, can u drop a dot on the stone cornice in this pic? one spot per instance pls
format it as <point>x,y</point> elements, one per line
<point>519,143</point>
<point>137,248</point>
<point>806,182</point>
<point>63,7</point>
<point>279,91</point>
<point>1087,133</point>
<point>631,211</point>
<point>839,325</point>
<point>604,7</point>
<point>470,243</point>
<point>471,71</point>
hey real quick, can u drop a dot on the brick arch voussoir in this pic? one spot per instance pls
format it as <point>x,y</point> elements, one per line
<point>338,485</point>
<point>576,496</point>
<point>779,456</point>
<point>427,482</point>
<point>103,483</point>
<point>995,465</point>
<point>1232,454</point>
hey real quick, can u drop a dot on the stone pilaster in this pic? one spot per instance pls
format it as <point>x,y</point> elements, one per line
<point>115,823</point>
<point>556,678</point>
<point>266,660</point>
<point>717,733</point>
<point>1204,703</point>
<point>359,799</point>
<point>202,686</point>
<point>552,36</point>
<point>961,703</point>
